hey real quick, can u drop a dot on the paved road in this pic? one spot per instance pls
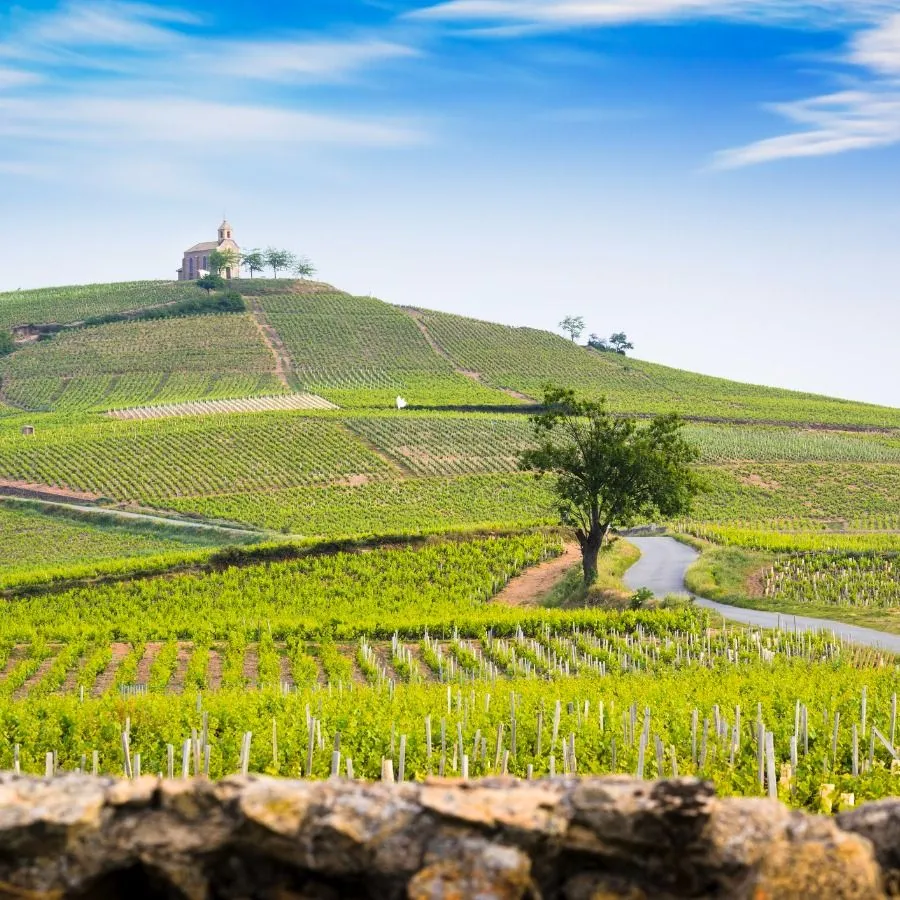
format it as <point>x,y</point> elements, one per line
<point>662,566</point>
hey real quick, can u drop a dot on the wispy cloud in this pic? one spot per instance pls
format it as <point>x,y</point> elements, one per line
<point>879,48</point>
<point>182,122</point>
<point>13,78</point>
<point>110,74</point>
<point>861,119</point>
<point>296,60</point>
<point>850,120</point>
<point>573,13</point>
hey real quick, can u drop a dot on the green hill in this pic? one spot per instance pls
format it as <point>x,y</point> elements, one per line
<point>358,352</point>
<point>449,462</point>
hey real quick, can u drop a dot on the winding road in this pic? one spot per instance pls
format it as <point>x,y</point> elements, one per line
<point>662,567</point>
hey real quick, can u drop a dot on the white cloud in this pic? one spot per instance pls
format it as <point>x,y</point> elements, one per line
<point>572,13</point>
<point>213,125</point>
<point>13,78</point>
<point>99,23</point>
<point>296,60</point>
<point>879,48</point>
<point>851,120</point>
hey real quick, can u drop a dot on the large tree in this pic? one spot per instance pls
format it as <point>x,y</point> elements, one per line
<point>609,471</point>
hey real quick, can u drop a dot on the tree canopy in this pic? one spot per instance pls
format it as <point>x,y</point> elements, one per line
<point>573,326</point>
<point>609,471</point>
<point>279,260</point>
<point>254,261</point>
<point>210,283</point>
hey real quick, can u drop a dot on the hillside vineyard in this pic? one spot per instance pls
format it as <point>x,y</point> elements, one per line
<point>223,548</point>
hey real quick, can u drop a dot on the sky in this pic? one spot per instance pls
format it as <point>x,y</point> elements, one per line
<point>718,178</point>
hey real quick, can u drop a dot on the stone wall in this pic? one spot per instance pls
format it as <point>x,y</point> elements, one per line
<point>589,839</point>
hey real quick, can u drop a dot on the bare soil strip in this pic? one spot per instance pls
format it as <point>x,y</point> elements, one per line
<point>287,677</point>
<point>416,316</point>
<point>251,666</point>
<point>151,651</point>
<point>529,588</point>
<point>182,660</point>
<point>33,491</point>
<point>273,342</point>
<point>17,654</point>
<point>280,402</point>
<point>383,658</point>
<point>71,682</point>
<point>350,651</point>
<point>107,677</point>
<point>424,669</point>
<point>214,671</point>
<point>24,690</point>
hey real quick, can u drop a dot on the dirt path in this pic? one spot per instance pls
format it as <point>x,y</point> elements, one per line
<point>182,660</point>
<point>287,676</point>
<point>250,669</point>
<point>416,316</point>
<point>32,491</point>
<point>107,677</point>
<point>529,588</point>
<point>151,651</point>
<point>284,370</point>
<point>214,671</point>
<point>25,689</point>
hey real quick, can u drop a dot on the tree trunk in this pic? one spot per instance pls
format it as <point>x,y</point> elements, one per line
<point>591,545</point>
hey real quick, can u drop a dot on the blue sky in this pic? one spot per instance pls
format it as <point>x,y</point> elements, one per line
<point>719,178</point>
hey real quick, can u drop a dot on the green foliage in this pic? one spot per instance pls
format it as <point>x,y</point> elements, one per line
<point>77,303</point>
<point>385,507</point>
<point>279,260</point>
<point>525,359</point>
<point>129,363</point>
<point>608,471</point>
<point>129,460</point>
<point>253,261</point>
<point>211,282</point>
<point>366,593</point>
<point>6,343</point>
<point>222,260</point>
<point>36,546</point>
<point>360,352</point>
<point>858,580</point>
<point>573,326</point>
<point>228,301</point>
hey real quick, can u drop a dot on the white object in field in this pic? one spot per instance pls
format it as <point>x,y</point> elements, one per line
<point>401,403</point>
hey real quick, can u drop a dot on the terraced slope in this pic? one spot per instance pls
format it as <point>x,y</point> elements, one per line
<point>132,363</point>
<point>524,359</point>
<point>63,305</point>
<point>154,461</point>
<point>361,352</point>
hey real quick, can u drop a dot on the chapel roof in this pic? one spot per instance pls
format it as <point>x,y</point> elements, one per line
<point>207,245</point>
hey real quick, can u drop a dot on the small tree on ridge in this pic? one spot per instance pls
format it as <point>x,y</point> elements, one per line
<point>573,326</point>
<point>278,260</point>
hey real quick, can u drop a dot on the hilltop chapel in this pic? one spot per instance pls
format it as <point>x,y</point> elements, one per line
<point>196,259</point>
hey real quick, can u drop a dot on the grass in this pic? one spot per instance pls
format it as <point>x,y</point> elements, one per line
<point>608,591</point>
